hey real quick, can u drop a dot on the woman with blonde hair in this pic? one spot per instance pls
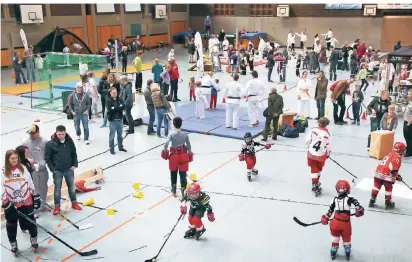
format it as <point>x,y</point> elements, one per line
<point>304,85</point>
<point>110,83</point>
<point>389,120</point>
<point>18,195</point>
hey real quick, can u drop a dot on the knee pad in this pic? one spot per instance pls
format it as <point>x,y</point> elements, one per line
<point>197,222</point>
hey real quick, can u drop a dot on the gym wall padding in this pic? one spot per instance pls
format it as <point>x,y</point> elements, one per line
<point>104,33</point>
<point>5,57</point>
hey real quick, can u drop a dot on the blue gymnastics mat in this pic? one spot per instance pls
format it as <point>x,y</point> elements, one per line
<point>214,122</point>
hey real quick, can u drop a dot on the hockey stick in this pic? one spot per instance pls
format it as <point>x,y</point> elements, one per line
<point>311,224</point>
<point>407,185</point>
<point>353,180</point>
<point>173,229</point>
<point>69,221</point>
<point>83,254</point>
<point>100,208</point>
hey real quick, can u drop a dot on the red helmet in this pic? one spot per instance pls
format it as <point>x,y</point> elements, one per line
<point>193,191</point>
<point>342,186</point>
<point>399,147</point>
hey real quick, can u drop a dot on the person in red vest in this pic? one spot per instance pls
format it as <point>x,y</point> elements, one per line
<point>174,78</point>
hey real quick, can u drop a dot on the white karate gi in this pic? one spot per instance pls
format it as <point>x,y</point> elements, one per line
<point>233,90</point>
<point>254,90</point>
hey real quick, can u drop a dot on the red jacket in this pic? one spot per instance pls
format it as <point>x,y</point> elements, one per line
<point>174,71</point>
<point>361,50</point>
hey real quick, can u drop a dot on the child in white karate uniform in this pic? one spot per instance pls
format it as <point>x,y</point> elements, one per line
<point>171,112</point>
<point>200,101</point>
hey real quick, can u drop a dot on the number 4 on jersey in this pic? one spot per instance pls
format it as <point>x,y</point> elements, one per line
<point>316,146</point>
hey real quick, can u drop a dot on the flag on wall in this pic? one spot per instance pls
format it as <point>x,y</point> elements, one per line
<point>343,6</point>
<point>395,6</point>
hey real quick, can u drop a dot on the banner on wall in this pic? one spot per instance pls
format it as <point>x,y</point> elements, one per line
<point>343,6</point>
<point>395,6</point>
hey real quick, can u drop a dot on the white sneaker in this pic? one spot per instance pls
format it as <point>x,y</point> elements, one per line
<point>87,142</point>
<point>78,137</point>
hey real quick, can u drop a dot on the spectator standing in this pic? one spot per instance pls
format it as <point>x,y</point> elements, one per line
<point>357,99</point>
<point>108,85</point>
<point>165,80</point>
<point>137,63</point>
<point>115,107</point>
<point>353,63</point>
<point>17,65</point>
<point>79,105</point>
<point>221,37</point>
<point>39,66</point>
<point>339,90</point>
<point>407,125</point>
<point>103,92</point>
<point>377,108</point>
<point>123,55</point>
<point>322,58</point>
<point>150,107</point>
<point>334,59</point>
<point>160,105</point>
<point>397,46</point>
<point>37,148</point>
<point>389,120</point>
<point>127,97</point>
<point>28,57</point>
<point>94,95</point>
<point>233,62</point>
<point>274,110</point>
<point>303,88</point>
<point>232,94</point>
<point>213,95</point>
<point>361,51</point>
<point>208,24</point>
<point>254,90</point>
<point>61,158</point>
<point>191,86</point>
<point>157,69</point>
<point>174,79</point>
<point>191,49</point>
<point>320,94</point>
<point>345,54</point>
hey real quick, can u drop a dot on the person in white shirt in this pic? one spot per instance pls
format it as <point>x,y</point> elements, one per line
<point>303,39</point>
<point>254,90</point>
<point>201,100</point>
<point>292,42</point>
<point>171,55</point>
<point>91,88</point>
<point>261,48</point>
<point>206,84</point>
<point>317,47</point>
<point>232,94</point>
<point>76,47</point>
<point>303,88</point>
<point>171,111</point>
<point>211,45</point>
<point>225,45</point>
<point>328,38</point>
<point>66,51</point>
<point>315,40</point>
<point>83,68</point>
<point>289,43</point>
<point>334,42</point>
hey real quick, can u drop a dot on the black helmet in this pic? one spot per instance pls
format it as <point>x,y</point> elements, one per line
<point>248,134</point>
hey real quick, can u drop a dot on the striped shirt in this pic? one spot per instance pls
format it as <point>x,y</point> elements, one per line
<point>408,112</point>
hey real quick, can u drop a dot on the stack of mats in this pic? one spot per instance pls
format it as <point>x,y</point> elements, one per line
<point>214,122</point>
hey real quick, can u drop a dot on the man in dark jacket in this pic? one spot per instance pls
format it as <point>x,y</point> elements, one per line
<point>79,105</point>
<point>270,65</point>
<point>320,94</point>
<point>61,158</point>
<point>345,54</point>
<point>334,59</point>
<point>275,109</point>
<point>115,107</point>
<point>127,97</point>
<point>376,109</point>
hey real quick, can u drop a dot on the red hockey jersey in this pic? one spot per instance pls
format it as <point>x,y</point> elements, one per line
<point>18,189</point>
<point>389,166</point>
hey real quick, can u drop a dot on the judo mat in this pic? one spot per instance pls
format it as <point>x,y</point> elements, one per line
<point>214,122</point>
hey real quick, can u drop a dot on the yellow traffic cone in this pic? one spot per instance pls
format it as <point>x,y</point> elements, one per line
<point>136,186</point>
<point>88,202</point>
<point>110,211</point>
<point>138,195</point>
<point>192,177</point>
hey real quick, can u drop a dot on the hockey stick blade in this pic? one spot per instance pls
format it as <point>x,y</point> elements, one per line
<point>304,224</point>
<point>88,253</point>
<point>87,226</point>
<point>407,185</point>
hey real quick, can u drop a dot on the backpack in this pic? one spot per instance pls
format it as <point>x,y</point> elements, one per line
<point>288,131</point>
<point>138,122</point>
<point>299,126</point>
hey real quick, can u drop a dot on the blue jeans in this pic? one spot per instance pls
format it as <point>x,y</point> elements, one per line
<point>85,122</point>
<point>58,179</point>
<point>320,104</point>
<point>160,118</point>
<point>165,89</point>
<point>374,126</point>
<point>151,110</point>
<point>116,126</point>
<point>356,106</point>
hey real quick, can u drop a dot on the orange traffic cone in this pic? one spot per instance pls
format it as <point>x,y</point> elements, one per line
<point>224,101</point>
<point>285,88</point>
<point>364,116</point>
<point>347,115</point>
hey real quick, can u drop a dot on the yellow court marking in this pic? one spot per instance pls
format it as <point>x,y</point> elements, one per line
<point>6,110</point>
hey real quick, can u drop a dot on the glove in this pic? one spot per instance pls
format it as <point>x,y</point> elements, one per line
<point>183,209</point>
<point>6,204</point>
<point>241,157</point>
<point>165,154</point>
<point>190,156</point>
<point>211,216</point>
<point>360,212</point>
<point>399,178</point>
<point>36,201</point>
<point>268,146</point>
<point>324,220</point>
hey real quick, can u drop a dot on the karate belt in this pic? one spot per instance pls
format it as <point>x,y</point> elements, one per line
<point>233,97</point>
<point>205,86</point>
<point>251,95</point>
